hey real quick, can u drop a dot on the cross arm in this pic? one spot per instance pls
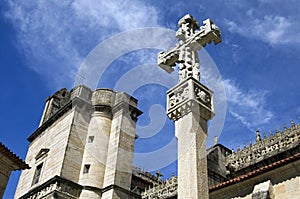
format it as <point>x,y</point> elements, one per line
<point>208,33</point>
<point>191,37</point>
<point>167,60</point>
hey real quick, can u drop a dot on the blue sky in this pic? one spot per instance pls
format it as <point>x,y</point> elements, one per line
<point>43,44</point>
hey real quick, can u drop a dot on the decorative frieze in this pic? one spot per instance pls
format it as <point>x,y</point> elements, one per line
<point>54,186</point>
<point>188,96</point>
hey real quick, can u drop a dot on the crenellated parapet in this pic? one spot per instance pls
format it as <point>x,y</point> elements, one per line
<point>264,148</point>
<point>167,189</point>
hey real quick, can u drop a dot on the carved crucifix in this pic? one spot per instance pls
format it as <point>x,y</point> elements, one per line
<point>191,38</point>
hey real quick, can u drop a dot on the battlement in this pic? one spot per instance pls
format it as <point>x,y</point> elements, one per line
<point>264,148</point>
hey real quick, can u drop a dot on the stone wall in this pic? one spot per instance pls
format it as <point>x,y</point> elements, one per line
<point>288,189</point>
<point>54,138</point>
<point>88,140</point>
<point>284,176</point>
<point>4,175</point>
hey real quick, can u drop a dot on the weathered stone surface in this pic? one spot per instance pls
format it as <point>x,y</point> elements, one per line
<point>118,169</point>
<point>54,103</point>
<point>190,96</point>
<point>263,191</point>
<point>54,138</point>
<point>191,132</point>
<point>288,189</point>
<point>92,128</point>
<point>4,176</point>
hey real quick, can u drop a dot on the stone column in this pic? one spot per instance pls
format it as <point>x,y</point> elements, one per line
<point>96,147</point>
<point>118,171</point>
<point>190,106</point>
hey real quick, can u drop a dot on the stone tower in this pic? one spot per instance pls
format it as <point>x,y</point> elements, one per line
<point>83,147</point>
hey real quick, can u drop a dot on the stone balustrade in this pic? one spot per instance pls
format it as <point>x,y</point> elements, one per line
<point>264,147</point>
<point>166,189</point>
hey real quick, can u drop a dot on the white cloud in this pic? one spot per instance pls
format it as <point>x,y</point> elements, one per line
<point>123,15</point>
<point>271,29</point>
<point>55,36</point>
<point>248,107</point>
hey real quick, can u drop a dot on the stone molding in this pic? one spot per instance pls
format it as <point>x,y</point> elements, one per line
<point>190,96</point>
<point>121,189</point>
<point>55,185</point>
<point>75,102</point>
<point>133,111</point>
<point>103,110</point>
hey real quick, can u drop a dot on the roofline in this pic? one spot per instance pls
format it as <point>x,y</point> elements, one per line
<point>13,157</point>
<point>256,172</point>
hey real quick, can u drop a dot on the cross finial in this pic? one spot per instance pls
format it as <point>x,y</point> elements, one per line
<point>159,174</point>
<point>191,37</point>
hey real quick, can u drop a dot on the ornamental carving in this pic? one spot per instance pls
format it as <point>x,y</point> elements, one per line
<point>190,96</point>
<point>57,185</point>
<point>264,148</point>
<point>191,38</point>
<point>178,96</point>
<point>166,189</point>
<point>203,96</point>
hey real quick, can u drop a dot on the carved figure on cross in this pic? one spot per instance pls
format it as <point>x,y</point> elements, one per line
<point>191,38</point>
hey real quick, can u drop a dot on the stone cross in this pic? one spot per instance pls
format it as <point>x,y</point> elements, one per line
<point>191,38</point>
<point>190,105</point>
<point>159,175</point>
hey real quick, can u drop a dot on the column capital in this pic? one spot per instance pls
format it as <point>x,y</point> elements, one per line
<point>190,96</point>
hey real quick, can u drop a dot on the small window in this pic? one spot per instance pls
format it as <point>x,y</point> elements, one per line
<point>86,168</point>
<point>37,174</point>
<point>91,139</point>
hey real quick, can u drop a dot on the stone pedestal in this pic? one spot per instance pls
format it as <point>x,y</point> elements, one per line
<point>190,106</point>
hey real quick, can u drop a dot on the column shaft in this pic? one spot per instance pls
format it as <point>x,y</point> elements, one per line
<point>191,132</point>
